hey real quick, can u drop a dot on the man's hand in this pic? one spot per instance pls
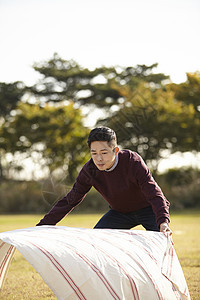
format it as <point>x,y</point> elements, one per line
<point>165,228</point>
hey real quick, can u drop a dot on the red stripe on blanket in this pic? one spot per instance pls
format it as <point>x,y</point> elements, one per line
<point>5,259</point>
<point>98,273</point>
<point>147,273</point>
<point>62,271</point>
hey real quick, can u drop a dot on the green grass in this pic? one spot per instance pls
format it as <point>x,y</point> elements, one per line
<point>23,282</point>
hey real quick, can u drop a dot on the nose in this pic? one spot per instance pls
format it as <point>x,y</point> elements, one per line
<point>99,157</point>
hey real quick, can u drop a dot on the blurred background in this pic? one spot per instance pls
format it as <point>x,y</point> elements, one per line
<point>67,66</point>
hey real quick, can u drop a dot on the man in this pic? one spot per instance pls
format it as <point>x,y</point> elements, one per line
<point>125,182</point>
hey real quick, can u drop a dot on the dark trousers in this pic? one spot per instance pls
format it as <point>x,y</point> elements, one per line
<point>116,220</point>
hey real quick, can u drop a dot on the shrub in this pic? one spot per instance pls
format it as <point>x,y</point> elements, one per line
<point>181,187</point>
<point>21,197</point>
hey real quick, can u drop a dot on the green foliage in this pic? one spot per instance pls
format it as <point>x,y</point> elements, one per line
<point>181,187</point>
<point>20,197</point>
<point>10,95</point>
<point>149,115</point>
<point>67,80</point>
<point>56,133</point>
<point>189,91</point>
<point>150,121</point>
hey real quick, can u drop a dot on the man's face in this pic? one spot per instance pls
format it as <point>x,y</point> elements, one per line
<point>103,155</point>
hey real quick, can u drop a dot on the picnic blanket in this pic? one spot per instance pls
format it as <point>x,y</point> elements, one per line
<point>88,264</point>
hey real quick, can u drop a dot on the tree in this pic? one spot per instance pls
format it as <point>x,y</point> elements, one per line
<point>148,115</point>
<point>55,133</point>
<point>189,91</point>
<point>67,80</point>
<point>10,95</point>
<point>151,121</point>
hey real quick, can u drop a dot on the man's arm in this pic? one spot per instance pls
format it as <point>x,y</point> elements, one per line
<point>67,203</point>
<point>153,194</point>
<point>61,208</point>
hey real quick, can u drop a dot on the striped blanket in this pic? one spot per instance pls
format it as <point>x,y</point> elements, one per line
<point>88,264</point>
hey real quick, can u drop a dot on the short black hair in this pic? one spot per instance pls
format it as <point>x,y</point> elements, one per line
<point>104,134</point>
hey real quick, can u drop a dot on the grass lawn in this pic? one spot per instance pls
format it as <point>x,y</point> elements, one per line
<point>23,282</point>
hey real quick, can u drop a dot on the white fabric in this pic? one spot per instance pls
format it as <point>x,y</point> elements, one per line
<point>96,264</point>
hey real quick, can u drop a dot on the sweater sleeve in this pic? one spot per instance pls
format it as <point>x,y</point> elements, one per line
<point>151,191</point>
<point>79,190</point>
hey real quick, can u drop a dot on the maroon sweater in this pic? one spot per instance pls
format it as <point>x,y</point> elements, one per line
<point>129,187</point>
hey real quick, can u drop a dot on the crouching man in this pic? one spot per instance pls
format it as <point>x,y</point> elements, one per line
<point>124,181</point>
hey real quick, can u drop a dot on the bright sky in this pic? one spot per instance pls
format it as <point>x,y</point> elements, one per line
<point>99,32</point>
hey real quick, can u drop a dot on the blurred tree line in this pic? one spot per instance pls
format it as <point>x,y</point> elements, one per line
<point>48,123</point>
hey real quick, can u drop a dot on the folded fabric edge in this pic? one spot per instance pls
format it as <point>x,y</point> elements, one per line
<point>5,261</point>
<point>170,265</point>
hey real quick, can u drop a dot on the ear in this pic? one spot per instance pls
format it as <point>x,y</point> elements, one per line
<point>116,150</point>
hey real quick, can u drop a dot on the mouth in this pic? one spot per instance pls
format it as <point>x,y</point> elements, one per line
<point>100,165</point>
